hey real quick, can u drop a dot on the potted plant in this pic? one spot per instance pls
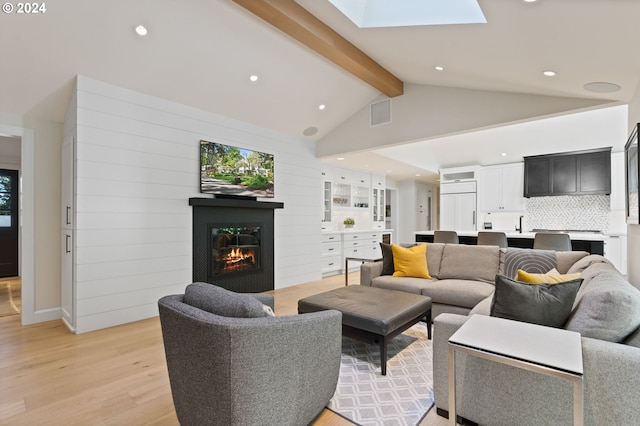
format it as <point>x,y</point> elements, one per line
<point>349,222</point>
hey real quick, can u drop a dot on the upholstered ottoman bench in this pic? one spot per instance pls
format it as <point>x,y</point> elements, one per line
<point>371,314</point>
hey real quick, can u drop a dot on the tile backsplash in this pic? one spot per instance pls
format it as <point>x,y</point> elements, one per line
<point>584,212</point>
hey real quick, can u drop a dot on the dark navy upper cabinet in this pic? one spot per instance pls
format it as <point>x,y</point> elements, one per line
<point>568,173</point>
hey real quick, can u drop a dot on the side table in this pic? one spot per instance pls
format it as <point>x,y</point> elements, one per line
<point>545,350</point>
<point>359,259</point>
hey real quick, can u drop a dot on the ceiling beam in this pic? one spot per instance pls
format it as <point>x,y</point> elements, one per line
<point>294,20</point>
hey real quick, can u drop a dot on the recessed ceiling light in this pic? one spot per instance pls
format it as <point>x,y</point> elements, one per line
<point>439,68</point>
<point>389,171</point>
<point>504,154</point>
<point>418,174</point>
<point>141,30</point>
<point>529,1</point>
<point>321,107</point>
<point>253,78</point>
<point>601,87</point>
<point>549,73</point>
<point>340,158</point>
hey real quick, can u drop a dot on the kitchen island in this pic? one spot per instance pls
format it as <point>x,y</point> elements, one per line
<point>592,242</point>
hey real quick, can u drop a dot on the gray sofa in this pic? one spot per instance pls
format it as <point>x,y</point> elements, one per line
<point>606,312</point>
<point>464,275</point>
<point>240,366</point>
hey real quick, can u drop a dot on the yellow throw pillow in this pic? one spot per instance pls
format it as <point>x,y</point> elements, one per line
<point>410,262</point>
<point>526,277</point>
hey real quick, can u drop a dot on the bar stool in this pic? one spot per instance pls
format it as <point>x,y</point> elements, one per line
<point>492,239</point>
<point>552,241</point>
<point>449,237</point>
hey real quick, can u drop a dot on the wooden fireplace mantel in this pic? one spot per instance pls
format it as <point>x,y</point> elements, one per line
<point>226,202</point>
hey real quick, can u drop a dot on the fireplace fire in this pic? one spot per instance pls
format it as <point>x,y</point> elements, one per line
<point>239,259</point>
<point>235,249</point>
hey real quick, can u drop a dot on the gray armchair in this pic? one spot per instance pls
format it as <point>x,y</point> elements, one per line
<point>249,371</point>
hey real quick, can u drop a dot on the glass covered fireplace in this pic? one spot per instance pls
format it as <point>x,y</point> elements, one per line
<point>234,249</point>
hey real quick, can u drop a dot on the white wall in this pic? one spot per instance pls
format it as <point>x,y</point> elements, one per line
<point>137,164</point>
<point>409,220</point>
<point>424,112</point>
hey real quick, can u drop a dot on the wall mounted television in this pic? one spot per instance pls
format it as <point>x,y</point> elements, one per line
<point>233,172</point>
<point>632,176</point>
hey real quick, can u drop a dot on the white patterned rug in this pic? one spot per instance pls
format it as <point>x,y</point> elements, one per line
<point>402,397</point>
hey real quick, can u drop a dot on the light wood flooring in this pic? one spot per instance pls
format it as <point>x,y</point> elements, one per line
<point>115,376</point>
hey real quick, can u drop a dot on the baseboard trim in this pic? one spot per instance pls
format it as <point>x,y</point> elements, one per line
<point>44,315</point>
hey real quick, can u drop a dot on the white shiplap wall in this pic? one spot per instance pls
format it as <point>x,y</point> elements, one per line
<point>137,161</point>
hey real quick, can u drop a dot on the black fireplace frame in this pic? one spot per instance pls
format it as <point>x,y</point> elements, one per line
<point>232,213</point>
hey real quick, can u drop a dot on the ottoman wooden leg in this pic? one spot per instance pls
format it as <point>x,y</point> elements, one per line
<point>429,324</point>
<point>383,355</point>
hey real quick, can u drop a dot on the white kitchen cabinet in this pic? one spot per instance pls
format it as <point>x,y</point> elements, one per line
<point>361,245</point>
<point>337,246</point>
<point>326,202</point>
<point>501,188</point>
<point>618,184</point>
<point>67,295</point>
<point>615,250</point>
<point>331,253</point>
<point>458,210</point>
<point>378,201</point>
<point>341,195</point>
<point>378,208</point>
<point>67,284</point>
<point>360,197</point>
<point>67,182</point>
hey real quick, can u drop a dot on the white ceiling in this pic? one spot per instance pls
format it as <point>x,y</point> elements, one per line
<point>201,53</point>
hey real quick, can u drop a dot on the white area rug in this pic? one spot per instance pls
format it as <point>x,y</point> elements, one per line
<point>402,397</point>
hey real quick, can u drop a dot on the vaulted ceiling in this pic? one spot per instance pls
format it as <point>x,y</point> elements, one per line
<point>202,52</point>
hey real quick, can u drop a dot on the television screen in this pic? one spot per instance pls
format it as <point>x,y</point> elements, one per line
<point>633,174</point>
<point>235,172</point>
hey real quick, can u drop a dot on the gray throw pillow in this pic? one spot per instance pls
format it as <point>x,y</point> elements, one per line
<point>463,262</point>
<point>543,304</point>
<point>529,260</point>
<point>219,301</point>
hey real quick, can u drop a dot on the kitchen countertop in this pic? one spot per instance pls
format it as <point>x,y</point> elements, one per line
<point>354,231</point>
<point>584,236</point>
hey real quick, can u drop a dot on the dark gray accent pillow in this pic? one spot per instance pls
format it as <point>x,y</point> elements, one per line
<point>544,304</point>
<point>219,301</point>
<point>387,259</point>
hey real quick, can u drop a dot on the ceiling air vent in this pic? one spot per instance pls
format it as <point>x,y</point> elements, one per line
<point>381,112</point>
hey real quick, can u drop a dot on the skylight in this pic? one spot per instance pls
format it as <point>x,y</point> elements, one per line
<point>404,13</point>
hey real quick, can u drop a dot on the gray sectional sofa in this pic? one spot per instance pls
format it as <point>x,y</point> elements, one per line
<point>606,312</point>
<point>464,275</point>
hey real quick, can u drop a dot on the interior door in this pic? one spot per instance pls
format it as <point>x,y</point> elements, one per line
<point>8,223</point>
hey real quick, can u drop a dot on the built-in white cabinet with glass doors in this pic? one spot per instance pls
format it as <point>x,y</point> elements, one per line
<point>378,201</point>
